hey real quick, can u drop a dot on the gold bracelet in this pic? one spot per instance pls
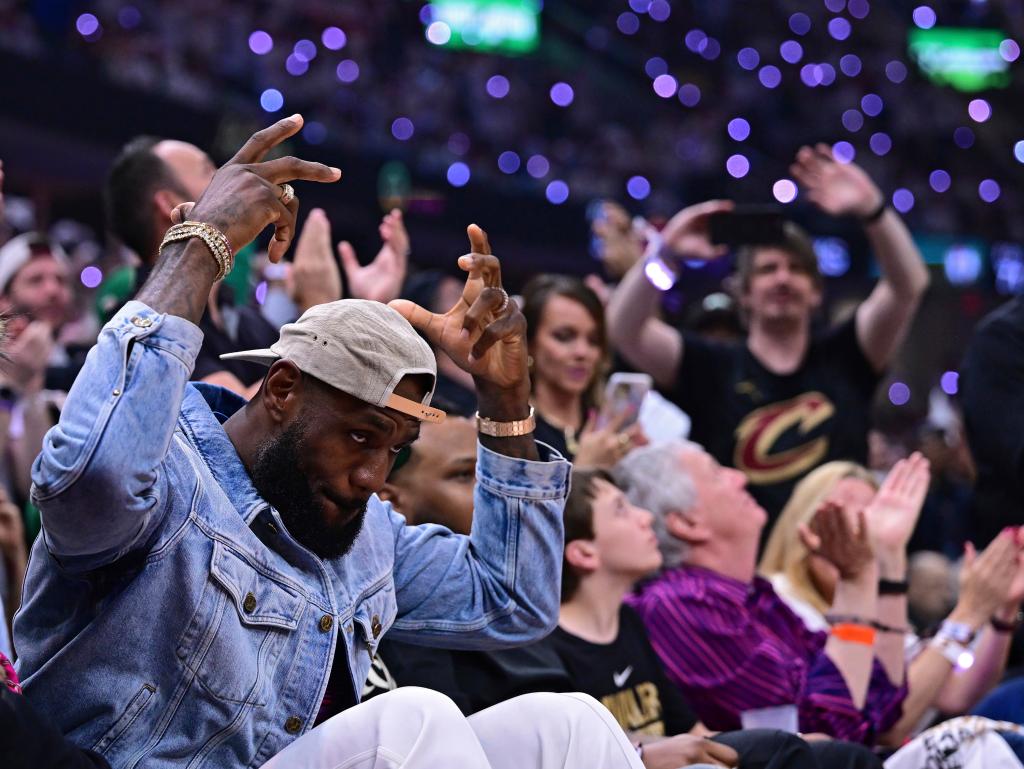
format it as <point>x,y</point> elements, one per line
<point>506,429</point>
<point>215,240</point>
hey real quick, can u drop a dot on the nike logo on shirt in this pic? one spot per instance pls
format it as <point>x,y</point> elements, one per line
<point>621,678</point>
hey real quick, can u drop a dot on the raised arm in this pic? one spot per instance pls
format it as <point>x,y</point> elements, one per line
<point>634,327</point>
<point>120,416</point>
<point>842,539</point>
<point>844,189</point>
<point>507,571</point>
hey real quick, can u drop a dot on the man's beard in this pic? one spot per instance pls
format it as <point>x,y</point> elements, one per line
<point>279,476</point>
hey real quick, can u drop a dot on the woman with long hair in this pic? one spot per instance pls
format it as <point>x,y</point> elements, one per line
<point>991,590</point>
<point>569,358</point>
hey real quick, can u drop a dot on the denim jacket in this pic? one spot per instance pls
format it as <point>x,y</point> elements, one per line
<point>170,620</point>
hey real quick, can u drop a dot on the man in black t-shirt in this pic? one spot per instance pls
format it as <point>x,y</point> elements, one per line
<point>783,402</point>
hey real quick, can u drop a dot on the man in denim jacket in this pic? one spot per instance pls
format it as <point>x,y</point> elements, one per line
<point>213,575</point>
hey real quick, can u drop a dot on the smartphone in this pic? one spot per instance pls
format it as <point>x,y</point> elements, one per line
<point>747,226</point>
<point>623,394</point>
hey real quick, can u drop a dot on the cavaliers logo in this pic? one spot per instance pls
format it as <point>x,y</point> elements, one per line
<point>756,453</point>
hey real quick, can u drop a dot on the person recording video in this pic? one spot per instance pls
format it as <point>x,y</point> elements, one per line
<point>784,401</point>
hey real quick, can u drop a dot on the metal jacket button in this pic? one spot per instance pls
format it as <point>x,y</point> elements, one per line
<point>293,725</point>
<point>326,622</point>
<point>141,322</point>
<point>375,626</point>
<point>249,604</point>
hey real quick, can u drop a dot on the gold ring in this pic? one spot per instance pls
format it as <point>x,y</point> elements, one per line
<point>504,303</point>
<point>624,441</point>
<point>287,193</point>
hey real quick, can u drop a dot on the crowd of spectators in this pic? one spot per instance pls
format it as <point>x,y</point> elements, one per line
<point>750,566</point>
<point>872,95</point>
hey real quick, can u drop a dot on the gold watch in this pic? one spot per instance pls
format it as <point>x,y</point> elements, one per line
<point>506,429</point>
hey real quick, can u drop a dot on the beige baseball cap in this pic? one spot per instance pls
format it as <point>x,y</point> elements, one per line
<point>360,347</point>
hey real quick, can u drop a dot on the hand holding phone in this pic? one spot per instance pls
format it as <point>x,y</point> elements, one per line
<point>747,226</point>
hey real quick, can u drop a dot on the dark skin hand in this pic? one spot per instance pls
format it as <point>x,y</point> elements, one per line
<point>241,200</point>
<point>487,340</point>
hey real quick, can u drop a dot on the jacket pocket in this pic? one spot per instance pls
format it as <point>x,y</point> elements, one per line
<point>236,634</point>
<point>134,709</point>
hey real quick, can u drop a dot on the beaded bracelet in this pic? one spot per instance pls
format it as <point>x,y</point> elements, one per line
<point>215,240</point>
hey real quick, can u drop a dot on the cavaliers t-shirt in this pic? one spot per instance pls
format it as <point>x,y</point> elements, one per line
<point>777,428</point>
<point>626,677</point>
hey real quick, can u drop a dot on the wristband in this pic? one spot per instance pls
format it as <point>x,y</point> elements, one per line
<point>852,619</point>
<point>957,632</point>
<point>854,633</point>
<point>892,587</point>
<point>506,429</point>
<point>956,653</point>
<point>875,215</point>
<point>1002,626</point>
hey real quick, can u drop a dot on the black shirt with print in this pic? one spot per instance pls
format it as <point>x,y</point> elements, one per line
<point>626,676</point>
<point>777,428</point>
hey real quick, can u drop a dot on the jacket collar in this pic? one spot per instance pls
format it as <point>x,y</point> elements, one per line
<point>204,410</point>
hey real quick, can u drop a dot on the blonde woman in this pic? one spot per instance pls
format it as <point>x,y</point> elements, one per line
<point>991,590</point>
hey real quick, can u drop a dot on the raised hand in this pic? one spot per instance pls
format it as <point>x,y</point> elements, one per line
<point>381,280</point>
<point>621,245</point>
<point>893,512</point>
<point>989,580</point>
<point>840,539</point>
<point>484,333</point>
<point>316,278</point>
<point>605,447</point>
<point>838,189</point>
<point>244,195</point>
<point>688,234</point>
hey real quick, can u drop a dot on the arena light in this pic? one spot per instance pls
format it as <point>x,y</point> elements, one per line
<point>492,26</point>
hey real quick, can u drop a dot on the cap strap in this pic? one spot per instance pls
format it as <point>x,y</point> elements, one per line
<point>414,409</point>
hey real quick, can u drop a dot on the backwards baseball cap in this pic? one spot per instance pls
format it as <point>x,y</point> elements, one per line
<point>19,251</point>
<point>360,347</point>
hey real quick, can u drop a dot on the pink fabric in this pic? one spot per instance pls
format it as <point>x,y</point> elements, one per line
<point>10,677</point>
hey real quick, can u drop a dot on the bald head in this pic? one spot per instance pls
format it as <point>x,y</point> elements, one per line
<point>147,180</point>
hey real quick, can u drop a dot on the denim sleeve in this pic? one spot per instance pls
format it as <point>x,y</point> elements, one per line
<point>97,482</point>
<point>500,586</point>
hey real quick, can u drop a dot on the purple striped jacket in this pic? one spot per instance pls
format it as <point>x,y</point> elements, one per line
<point>731,646</point>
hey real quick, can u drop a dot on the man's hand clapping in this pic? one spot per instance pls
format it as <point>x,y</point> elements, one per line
<point>381,280</point>
<point>315,275</point>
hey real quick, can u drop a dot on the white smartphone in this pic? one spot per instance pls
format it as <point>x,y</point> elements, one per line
<point>623,393</point>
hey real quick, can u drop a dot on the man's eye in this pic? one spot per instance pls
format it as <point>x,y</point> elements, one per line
<point>358,437</point>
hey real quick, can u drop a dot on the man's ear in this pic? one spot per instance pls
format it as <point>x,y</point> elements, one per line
<point>165,201</point>
<point>689,529</point>
<point>280,391</point>
<point>582,555</point>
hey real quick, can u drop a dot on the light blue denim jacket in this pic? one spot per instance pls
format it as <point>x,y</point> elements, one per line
<point>170,620</point>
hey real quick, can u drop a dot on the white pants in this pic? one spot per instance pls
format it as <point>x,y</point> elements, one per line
<point>416,728</point>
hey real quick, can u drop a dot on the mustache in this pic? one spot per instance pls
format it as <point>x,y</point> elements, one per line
<point>346,504</point>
